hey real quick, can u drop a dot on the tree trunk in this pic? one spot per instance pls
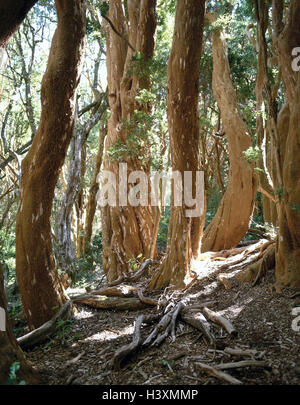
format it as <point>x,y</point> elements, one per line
<point>36,269</point>
<point>127,231</point>
<point>66,252</point>
<point>288,243</point>
<point>92,201</point>
<point>80,204</point>
<point>185,233</point>
<point>12,13</point>
<point>66,247</point>
<point>10,351</point>
<point>232,219</point>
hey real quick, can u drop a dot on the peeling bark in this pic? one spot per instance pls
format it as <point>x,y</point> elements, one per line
<point>288,243</point>
<point>127,231</point>
<point>233,217</point>
<point>183,76</point>
<point>36,269</point>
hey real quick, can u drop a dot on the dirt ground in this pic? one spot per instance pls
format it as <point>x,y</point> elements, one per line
<point>263,319</point>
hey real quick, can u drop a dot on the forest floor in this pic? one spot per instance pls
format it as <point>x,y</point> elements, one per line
<point>81,354</point>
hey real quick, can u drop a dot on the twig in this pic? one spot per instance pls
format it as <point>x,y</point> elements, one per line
<point>217,318</point>
<point>243,363</point>
<point>218,374</point>
<point>117,32</point>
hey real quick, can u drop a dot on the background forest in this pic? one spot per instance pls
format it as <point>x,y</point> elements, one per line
<point>183,85</point>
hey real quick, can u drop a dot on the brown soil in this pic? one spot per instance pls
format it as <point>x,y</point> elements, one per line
<point>262,318</point>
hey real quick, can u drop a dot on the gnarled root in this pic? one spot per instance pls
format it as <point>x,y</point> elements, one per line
<point>258,269</point>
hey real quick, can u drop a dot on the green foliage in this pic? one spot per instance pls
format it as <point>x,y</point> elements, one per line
<point>221,22</point>
<point>7,251</point>
<point>162,236</point>
<point>139,133</point>
<point>215,196</point>
<point>135,262</point>
<point>64,328</point>
<point>86,265</point>
<point>144,97</point>
<point>279,192</point>
<point>104,7</point>
<point>253,154</point>
<point>13,379</point>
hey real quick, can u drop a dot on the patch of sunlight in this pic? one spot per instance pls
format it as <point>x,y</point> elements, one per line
<point>82,314</point>
<point>107,334</point>
<point>203,266</point>
<point>235,310</point>
<point>205,292</point>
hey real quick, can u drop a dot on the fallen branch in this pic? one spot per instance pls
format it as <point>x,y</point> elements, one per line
<point>240,352</point>
<point>240,364</point>
<point>218,374</point>
<point>124,352</point>
<point>219,319</point>
<point>124,291</point>
<point>103,302</point>
<point>146,300</point>
<point>198,307</point>
<point>198,321</point>
<point>40,334</point>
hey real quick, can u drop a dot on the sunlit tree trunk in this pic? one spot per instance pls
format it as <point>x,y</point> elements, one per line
<point>127,231</point>
<point>288,243</point>
<point>183,93</point>
<point>36,269</point>
<point>233,217</point>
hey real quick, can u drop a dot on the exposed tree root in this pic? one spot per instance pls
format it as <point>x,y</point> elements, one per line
<point>124,352</point>
<point>146,300</point>
<point>221,320</point>
<point>259,232</point>
<point>136,276</point>
<point>40,334</point>
<point>198,321</point>
<point>246,252</point>
<point>264,262</point>
<point>161,330</point>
